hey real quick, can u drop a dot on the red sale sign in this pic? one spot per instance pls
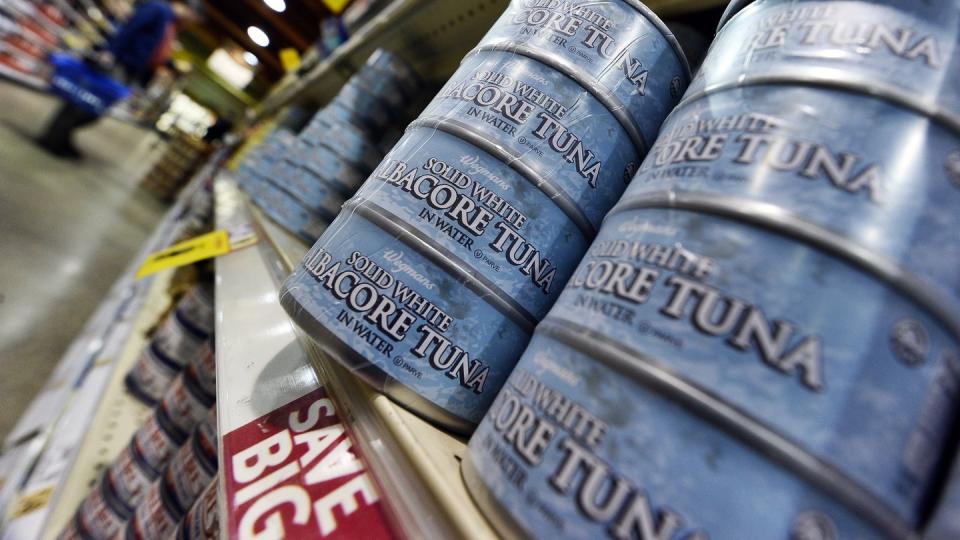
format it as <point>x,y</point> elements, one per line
<point>295,473</point>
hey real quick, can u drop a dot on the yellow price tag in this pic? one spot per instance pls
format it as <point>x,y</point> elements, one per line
<point>31,502</point>
<point>196,249</point>
<point>290,59</point>
<point>336,6</point>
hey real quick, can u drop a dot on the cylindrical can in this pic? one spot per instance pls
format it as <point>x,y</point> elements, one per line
<point>158,439</point>
<point>617,49</point>
<point>102,514</point>
<point>384,87</point>
<point>347,140</point>
<point>196,306</point>
<point>391,65</point>
<point>333,169</point>
<point>294,176</point>
<point>574,447</point>
<point>287,211</point>
<point>795,157</point>
<point>202,522</point>
<point>178,339</point>
<point>204,368</point>
<point>193,467</point>
<point>365,108</point>
<point>340,113</point>
<point>151,375</point>
<point>404,319</point>
<point>945,523</point>
<point>130,476</point>
<point>186,403</point>
<point>803,355</point>
<point>538,120</point>
<point>156,517</point>
<point>479,213</point>
<point>901,50</point>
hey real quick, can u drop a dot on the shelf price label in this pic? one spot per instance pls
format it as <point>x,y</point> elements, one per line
<point>295,473</point>
<point>199,248</point>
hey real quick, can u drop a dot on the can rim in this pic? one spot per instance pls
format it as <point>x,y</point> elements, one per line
<point>606,98</point>
<point>774,218</point>
<point>513,160</point>
<point>662,27</point>
<point>734,7</point>
<point>836,79</point>
<point>491,508</point>
<point>738,424</point>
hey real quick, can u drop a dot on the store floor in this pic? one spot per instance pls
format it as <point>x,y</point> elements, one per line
<point>67,230</point>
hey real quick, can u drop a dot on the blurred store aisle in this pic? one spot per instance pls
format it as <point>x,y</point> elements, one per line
<point>67,230</point>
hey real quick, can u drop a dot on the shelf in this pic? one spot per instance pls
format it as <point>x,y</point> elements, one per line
<point>82,416</point>
<point>30,81</point>
<point>417,465</point>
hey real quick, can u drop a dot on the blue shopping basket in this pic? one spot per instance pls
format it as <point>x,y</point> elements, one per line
<point>84,85</point>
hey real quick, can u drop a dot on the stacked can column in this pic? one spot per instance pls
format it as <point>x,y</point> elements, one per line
<point>431,281</point>
<point>768,317</point>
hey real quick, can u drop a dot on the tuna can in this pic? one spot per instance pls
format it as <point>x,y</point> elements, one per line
<point>405,319</point>
<point>204,369</point>
<point>578,446</point>
<point>130,476</point>
<point>156,517</point>
<point>196,307</point>
<point>202,522</point>
<point>157,440</point>
<point>338,113</point>
<point>101,515</point>
<point>901,50</point>
<point>479,213</point>
<point>185,402</point>
<point>795,158</point>
<point>333,170</point>
<point>945,524</point>
<point>178,339</point>
<point>293,175</point>
<point>544,124</point>
<point>192,468</point>
<point>804,355</point>
<point>347,140</point>
<point>397,68</point>
<point>365,108</point>
<point>386,88</point>
<point>618,50</point>
<point>71,531</point>
<point>151,375</point>
<point>284,209</point>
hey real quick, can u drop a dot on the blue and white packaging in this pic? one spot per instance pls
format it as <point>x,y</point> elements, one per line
<point>904,50</point>
<point>945,523</point>
<point>347,140</point>
<point>288,212</point>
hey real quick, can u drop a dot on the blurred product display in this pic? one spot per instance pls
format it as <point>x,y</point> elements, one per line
<point>675,269</point>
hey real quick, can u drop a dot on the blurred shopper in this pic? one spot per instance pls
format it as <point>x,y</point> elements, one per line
<point>134,53</point>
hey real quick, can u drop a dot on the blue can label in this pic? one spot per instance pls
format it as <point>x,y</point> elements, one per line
<point>388,63</point>
<point>287,211</point>
<point>909,48</point>
<point>544,120</point>
<point>331,168</point>
<point>406,316</point>
<point>802,149</point>
<point>814,349</point>
<point>609,41</point>
<point>364,108</point>
<point>574,449</point>
<point>293,175</point>
<point>345,139</point>
<point>482,213</point>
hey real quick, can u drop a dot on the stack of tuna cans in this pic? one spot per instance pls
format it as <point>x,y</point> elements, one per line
<point>762,342</point>
<point>135,486</point>
<point>304,184</point>
<point>430,282</point>
<point>185,334</point>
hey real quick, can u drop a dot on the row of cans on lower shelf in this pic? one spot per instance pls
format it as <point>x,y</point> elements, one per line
<point>767,318</point>
<point>301,181</point>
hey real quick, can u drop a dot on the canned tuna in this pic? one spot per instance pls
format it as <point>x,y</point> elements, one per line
<point>405,318</point>
<point>196,307</point>
<point>574,447</point>
<point>185,403</point>
<point>156,517</point>
<point>905,51</point>
<point>202,522</point>
<point>333,170</point>
<point>538,120</point>
<point>178,339</point>
<point>795,157</point>
<point>294,176</point>
<point>101,515</point>
<point>151,375</point>
<point>616,49</point>
<point>204,369</point>
<point>339,113</point>
<point>813,361</point>
<point>287,211</point>
<point>364,108</point>
<point>347,140</point>
<point>157,440</point>
<point>130,476</point>
<point>393,66</point>
<point>480,214</point>
<point>386,88</point>
<point>192,468</point>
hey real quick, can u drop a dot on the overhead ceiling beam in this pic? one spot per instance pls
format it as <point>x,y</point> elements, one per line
<point>240,35</point>
<point>276,20</point>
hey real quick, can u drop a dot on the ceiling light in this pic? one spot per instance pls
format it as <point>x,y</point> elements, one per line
<point>258,36</point>
<point>250,58</point>
<point>277,5</point>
